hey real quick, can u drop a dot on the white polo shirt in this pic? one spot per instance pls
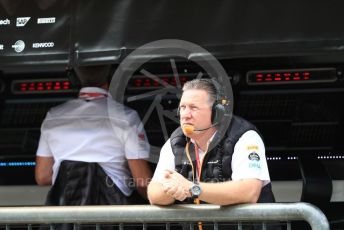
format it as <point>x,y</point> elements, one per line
<point>248,159</point>
<point>100,130</point>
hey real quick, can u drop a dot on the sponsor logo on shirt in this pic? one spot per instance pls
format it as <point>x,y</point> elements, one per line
<point>252,147</point>
<point>213,162</point>
<point>5,22</point>
<point>19,46</point>
<point>43,45</point>
<point>22,21</point>
<point>50,20</point>
<point>254,165</point>
<point>254,161</point>
<point>141,136</point>
<point>253,156</point>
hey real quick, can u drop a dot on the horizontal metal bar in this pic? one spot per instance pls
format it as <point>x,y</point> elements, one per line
<point>163,214</point>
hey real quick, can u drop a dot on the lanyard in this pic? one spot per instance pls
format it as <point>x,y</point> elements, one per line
<point>198,167</point>
<point>198,164</point>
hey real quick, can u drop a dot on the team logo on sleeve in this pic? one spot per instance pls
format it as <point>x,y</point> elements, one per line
<point>141,136</point>
<point>254,160</point>
<point>253,156</point>
<point>142,139</point>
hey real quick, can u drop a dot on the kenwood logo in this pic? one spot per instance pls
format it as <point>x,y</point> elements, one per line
<point>1,47</point>
<point>19,46</point>
<point>5,22</point>
<point>43,45</point>
<point>46,20</point>
<point>22,21</point>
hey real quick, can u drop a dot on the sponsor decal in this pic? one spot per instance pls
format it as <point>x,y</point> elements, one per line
<point>50,20</point>
<point>1,47</point>
<point>252,147</point>
<point>142,140</point>
<point>254,160</point>
<point>19,46</point>
<point>141,136</point>
<point>39,45</point>
<point>253,156</point>
<point>22,21</point>
<point>5,22</point>
<point>254,165</point>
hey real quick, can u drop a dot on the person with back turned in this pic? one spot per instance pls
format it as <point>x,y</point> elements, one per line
<point>92,149</point>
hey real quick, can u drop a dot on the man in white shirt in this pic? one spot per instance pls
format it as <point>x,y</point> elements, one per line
<point>199,164</point>
<point>95,128</point>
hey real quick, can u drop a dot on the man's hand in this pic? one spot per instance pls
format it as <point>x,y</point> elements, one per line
<point>176,185</point>
<point>142,174</point>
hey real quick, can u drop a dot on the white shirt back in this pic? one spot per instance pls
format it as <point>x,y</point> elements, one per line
<point>100,130</point>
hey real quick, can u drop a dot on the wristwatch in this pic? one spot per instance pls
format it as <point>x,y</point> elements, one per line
<point>195,190</point>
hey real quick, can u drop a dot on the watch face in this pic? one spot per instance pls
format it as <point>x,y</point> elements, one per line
<point>195,190</point>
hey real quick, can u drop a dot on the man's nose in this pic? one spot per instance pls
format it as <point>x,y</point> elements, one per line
<point>186,112</point>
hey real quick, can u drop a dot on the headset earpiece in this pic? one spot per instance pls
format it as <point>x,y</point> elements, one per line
<point>218,111</point>
<point>220,106</point>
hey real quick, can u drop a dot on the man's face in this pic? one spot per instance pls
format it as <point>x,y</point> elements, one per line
<point>195,109</point>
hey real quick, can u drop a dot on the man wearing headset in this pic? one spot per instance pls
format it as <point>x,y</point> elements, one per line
<point>199,164</point>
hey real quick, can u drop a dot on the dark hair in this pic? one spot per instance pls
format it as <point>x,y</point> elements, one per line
<point>204,84</point>
<point>93,75</point>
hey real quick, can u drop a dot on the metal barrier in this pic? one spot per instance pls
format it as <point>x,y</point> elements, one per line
<point>165,214</point>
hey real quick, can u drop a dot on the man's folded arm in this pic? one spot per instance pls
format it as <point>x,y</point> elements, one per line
<point>157,195</point>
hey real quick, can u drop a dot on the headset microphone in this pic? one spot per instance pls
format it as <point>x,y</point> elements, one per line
<point>206,128</point>
<point>190,129</point>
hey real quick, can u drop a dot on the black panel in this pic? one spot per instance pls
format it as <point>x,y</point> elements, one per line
<point>35,29</point>
<point>74,32</point>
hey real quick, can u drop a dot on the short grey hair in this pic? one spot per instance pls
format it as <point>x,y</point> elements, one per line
<point>203,84</point>
<point>93,76</point>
